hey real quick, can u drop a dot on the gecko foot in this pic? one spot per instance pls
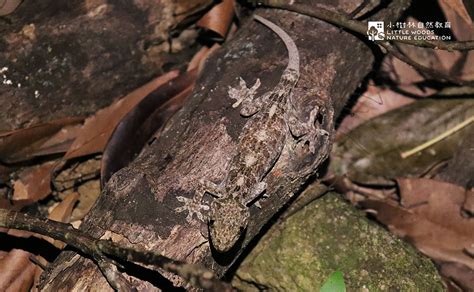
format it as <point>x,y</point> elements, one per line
<point>242,92</point>
<point>192,207</point>
<point>312,137</point>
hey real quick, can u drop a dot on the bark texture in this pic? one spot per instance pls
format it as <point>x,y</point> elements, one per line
<point>67,58</point>
<point>138,203</point>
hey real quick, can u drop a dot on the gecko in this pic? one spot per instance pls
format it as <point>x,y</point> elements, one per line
<point>260,144</point>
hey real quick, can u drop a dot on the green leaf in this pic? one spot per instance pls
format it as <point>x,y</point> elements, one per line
<point>335,283</point>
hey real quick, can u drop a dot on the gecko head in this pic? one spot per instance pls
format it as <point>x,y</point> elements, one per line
<point>227,221</point>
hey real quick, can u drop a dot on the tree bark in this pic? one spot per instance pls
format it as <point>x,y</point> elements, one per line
<point>68,58</point>
<point>139,202</point>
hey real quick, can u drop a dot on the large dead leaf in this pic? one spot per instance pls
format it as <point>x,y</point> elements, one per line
<point>374,102</point>
<point>371,153</point>
<point>463,28</point>
<point>24,144</point>
<point>433,222</point>
<point>98,128</point>
<point>142,121</point>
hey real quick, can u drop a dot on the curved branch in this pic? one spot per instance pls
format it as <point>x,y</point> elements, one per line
<point>360,27</point>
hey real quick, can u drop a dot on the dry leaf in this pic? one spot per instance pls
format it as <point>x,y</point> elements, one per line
<point>16,271</point>
<point>8,6</point>
<point>374,102</point>
<point>61,213</point>
<point>143,121</point>
<point>463,28</point>
<point>434,223</point>
<point>456,6</point>
<point>468,204</point>
<point>34,183</point>
<point>461,275</point>
<point>219,18</point>
<point>98,128</point>
<point>200,58</point>
<point>20,145</point>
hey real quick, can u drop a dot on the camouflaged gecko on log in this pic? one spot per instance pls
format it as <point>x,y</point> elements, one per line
<point>271,119</point>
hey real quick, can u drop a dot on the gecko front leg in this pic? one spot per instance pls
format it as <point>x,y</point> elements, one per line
<point>305,131</point>
<point>195,205</point>
<point>246,96</point>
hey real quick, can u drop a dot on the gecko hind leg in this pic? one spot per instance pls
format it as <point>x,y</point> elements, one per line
<point>195,205</point>
<point>192,206</point>
<point>257,191</point>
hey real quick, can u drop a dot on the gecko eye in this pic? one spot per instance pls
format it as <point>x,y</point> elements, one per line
<point>211,222</point>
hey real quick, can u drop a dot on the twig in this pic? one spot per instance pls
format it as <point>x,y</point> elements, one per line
<point>429,71</point>
<point>360,27</point>
<point>437,138</point>
<point>98,249</point>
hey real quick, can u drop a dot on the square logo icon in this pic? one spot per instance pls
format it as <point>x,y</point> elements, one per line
<point>376,30</point>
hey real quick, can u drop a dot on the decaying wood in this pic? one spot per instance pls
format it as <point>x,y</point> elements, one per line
<point>138,203</point>
<point>68,58</point>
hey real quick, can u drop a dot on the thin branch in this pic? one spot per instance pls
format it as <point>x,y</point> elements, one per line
<point>98,249</point>
<point>423,69</point>
<point>360,27</point>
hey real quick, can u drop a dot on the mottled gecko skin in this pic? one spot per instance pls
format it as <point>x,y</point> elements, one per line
<point>259,147</point>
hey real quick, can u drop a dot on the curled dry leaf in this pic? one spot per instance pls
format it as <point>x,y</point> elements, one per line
<point>17,271</point>
<point>137,127</point>
<point>218,19</point>
<point>97,129</point>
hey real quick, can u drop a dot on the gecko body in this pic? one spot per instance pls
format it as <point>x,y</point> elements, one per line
<point>259,147</point>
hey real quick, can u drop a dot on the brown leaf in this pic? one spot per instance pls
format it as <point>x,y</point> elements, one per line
<point>143,121</point>
<point>8,6</point>
<point>463,28</point>
<point>20,145</point>
<point>455,6</point>
<point>459,274</point>
<point>98,128</point>
<point>200,57</point>
<point>218,19</point>
<point>34,183</point>
<point>468,204</point>
<point>16,271</point>
<point>434,222</point>
<point>374,102</point>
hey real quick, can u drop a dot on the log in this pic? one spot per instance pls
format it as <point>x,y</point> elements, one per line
<point>71,58</point>
<point>138,204</point>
